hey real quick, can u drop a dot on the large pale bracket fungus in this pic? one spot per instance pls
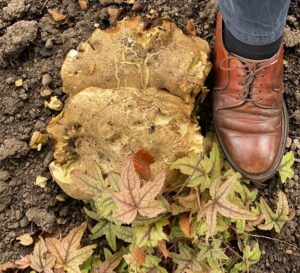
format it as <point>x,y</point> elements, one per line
<point>129,89</point>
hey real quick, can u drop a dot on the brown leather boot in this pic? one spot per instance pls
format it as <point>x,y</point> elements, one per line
<point>249,112</point>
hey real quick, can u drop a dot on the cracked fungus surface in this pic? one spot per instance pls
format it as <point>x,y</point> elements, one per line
<point>129,89</point>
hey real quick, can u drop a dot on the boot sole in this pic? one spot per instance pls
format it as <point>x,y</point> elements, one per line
<point>261,177</point>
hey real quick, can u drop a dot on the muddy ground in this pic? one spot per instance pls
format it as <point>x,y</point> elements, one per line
<point>32,48</point>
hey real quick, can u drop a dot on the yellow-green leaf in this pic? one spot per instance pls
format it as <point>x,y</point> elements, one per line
<point>285,167</point>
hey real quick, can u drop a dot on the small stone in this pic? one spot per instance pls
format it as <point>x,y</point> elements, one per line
<point>45,92</point>
<point>297,96</point>
<point>296,115</point>
<point>18,214</point>
<point>19,83</point>
<point>24,96</point>
<point>46,79</point>
<point>106,2</point>
<point>49,43</point>
<point>288,142</point>
<point>11,147</point>
<point>138,6</point>
<point>296,178</point>
<point>296,142</point>
<point>24,222</point>
<point>5,196</point>
<point>10,80</point>
<point>4,175</point>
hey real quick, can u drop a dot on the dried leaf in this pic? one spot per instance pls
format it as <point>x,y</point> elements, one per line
<point>163,248</point>
<point>285,168</point>
<point>190,202</point>
<point>110,264</point>
<point>149,235</point>
<point>38,140</point>
<point>184,223</point>
<point>69,256</point>
<point>190,27</point>
<point>142,161</point>
<point>138,256</point>
<point>41,260</point>
<point>220,204</point>
<point>186,260</point>
<point>56,16</point>
<point>277,219</point>
<point>25,239</point>
<point>23,263</point>
<point>83,4</point>
<point>134,199</point>
<point>41,181</point>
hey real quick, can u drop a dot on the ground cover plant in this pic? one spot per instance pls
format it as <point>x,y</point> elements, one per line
<point>39,221</point>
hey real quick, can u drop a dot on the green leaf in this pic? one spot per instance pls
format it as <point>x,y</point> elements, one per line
<point>186,259</point>
<point>277,219</point>
<point>149,235</point>
<point>200,174</point>
<point>216,158</point>
<point>285,167</point>
<point>105,205</point>
<point>111,231</point>
<point>151,264</point>
<point>212,254</point>
<point>250,257</point>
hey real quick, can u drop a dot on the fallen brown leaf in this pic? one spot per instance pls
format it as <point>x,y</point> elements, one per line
<point>184,223</point>
<point>40,260</point>
<point>134,199</point>
<point>163,248</point>
<point>138,256</point>
<point>190,27</point>
<point>142,161</point>
<point>56,16</point>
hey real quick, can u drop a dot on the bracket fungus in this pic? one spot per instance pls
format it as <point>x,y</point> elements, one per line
<point>129,89</point>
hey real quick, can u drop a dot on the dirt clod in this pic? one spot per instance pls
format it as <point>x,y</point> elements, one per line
<point>42,218</point>
<point>14,10</point>
<point>12,147</point>
<point>17,38</point>
<point>4,196</point>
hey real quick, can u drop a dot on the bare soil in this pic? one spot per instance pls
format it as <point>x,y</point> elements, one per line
<point>32,48</point>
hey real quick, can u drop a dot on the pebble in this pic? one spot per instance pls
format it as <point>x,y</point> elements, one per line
<point>18,214</point>
<point>297,96</point>
<point>296,142</point>
<point>106,2</point>
<point>10,80</point>
<point>288,142</point>
<point>4,175</point>
<point>45,92</point>
<point>24,96</point>
<point>5,196</point>
<point>24,222</point>
<point>46,79</point>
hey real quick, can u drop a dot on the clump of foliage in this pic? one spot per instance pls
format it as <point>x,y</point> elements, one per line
<point>199,222</point>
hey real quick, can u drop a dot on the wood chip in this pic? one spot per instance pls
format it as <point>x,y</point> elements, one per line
<point>56,16</point>
<point>114,14</point>
<point>25,239</point>
<point>191,28</point>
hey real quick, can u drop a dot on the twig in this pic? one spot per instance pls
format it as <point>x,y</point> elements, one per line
<point>268,238</point>
<point>191,175</point>
<point>297,160</point>
<point>46,2</point>
<point>233,251</point>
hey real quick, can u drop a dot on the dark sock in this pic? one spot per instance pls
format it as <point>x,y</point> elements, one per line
<point>253,52</point>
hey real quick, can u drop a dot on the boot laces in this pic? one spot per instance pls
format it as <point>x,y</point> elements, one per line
<point>250,74</point>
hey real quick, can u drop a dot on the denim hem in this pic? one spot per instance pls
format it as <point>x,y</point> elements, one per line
<point>252,39</point>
